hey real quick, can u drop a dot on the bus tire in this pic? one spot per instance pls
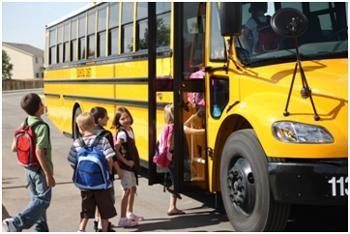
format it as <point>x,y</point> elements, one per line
<point>245,186</point>
<point>76,134</point>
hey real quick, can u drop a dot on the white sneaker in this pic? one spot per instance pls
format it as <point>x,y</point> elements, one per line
<point>134,217</point>
<point>9,226</point>
<point>125,222</point>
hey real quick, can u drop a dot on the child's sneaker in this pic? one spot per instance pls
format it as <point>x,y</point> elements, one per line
<point>125,222</point>
<point>134,217</point>
<point>9,226</point>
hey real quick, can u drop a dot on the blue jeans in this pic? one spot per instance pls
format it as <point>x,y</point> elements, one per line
<point>35,212</point>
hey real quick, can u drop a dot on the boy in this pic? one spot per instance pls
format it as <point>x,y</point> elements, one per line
<point>101,198</point>
<point>40,178</point>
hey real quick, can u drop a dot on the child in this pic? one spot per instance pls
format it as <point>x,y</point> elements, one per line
<point>40,178</point>
<point>129,163</point>
<point>101,198</point>
<point>101,118</point>
<point>169,121</point>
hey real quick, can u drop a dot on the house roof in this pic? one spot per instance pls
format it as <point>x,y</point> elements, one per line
<point>26,48</point>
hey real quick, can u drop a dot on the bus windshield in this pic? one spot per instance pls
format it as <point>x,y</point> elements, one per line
<point>326,36</point>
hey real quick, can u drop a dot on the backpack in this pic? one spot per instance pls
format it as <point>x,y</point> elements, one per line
<point>267,37</point>
<point>25,140</point>
<point>91,171</point>
<point>163,153</point>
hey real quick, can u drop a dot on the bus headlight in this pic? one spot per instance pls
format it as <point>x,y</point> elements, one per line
<point>294,132</point>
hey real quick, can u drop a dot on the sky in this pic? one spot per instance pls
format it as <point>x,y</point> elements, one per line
<point>24,22</point>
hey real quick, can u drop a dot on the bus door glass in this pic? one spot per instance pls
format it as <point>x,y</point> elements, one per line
<point>193,95</point>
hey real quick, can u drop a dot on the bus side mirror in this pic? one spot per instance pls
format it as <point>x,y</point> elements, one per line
<point>231,18</point>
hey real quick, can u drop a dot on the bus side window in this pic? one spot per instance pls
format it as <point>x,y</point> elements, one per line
<point>52,47</point>
<point>163,24</point>
<point>127,27</point>
<point>113,31</point>
<point>219,95</point>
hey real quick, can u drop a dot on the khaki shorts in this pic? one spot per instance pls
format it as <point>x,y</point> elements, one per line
<point>129,180</point>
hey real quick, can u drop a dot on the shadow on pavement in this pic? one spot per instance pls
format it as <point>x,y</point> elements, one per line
<point>193,220</point>
<point>5,213</point>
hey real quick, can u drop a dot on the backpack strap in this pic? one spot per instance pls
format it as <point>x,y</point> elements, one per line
<point>37,123</point>
<point>81,142</point>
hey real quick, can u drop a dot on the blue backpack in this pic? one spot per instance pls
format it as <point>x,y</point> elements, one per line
<point>91,171</point>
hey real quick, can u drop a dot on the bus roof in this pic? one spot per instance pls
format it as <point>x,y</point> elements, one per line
<point>74,13</point>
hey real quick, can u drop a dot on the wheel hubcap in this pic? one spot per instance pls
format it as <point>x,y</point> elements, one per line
<point>241,186</point>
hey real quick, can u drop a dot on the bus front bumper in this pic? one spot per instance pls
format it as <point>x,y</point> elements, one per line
<point>322,182</point>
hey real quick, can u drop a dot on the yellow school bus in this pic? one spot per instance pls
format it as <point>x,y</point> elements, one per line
<point>262,86</point>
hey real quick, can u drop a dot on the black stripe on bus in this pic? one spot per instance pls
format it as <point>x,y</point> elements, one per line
<point>53,95</point>
<point>100,81</point>
<point>129,57</point>
<point>134,103</point>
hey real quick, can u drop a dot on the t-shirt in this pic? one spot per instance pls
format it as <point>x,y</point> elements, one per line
<point>42,139</point>
<point>121,135</point>
<point>252,25</point>
<point>102,145</point>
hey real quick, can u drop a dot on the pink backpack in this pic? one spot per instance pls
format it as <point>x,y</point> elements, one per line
<point>163,156</point>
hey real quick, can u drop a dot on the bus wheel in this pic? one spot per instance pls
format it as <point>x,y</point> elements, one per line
<point>245,188</point>
<point>76,133</point>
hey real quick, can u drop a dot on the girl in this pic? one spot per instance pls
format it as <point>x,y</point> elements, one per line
<point>129,163</point>
<point>169,120</point>
<point>101,118</point>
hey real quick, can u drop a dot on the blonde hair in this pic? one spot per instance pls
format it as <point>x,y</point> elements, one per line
<point>169,113</point>
<point>86,121</point>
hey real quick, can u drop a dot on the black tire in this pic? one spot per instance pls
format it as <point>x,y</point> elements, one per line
<point>245,186</point>
<point>76,134</point>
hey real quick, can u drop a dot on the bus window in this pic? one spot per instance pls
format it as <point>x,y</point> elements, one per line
<point>82,42</point>
<point>52,46</point>
<point>163,24</point>
<point>326,35</point>
<point>59,44</point>
<point>127,27</point>
<point>73,42</point>
<point>101,33</point>
<point>91,34</point>
<point>217,43</point>
<point>113,31</point>
<point>66,42</point>
<point>141,25</point>
<point>193,37</point>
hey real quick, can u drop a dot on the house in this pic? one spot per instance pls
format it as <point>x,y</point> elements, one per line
<point>27,60</point>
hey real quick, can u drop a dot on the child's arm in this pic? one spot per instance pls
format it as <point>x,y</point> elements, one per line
<point>117,168</point>
<point>190,130</point>
<point>13,147</point>
<point>117,145</point>
<point>40,154</point>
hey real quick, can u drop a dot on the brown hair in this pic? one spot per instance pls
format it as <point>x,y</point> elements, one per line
<point>98,112</point>
<point>30,103</point>
<point>86,121</point>
<point>118,114</point>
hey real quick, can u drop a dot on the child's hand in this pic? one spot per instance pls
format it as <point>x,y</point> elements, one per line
<point>50,181</point>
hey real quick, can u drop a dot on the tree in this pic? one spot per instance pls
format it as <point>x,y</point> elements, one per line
<point>6,66</point>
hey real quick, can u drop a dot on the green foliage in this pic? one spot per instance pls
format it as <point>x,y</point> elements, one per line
<point>6,66</point>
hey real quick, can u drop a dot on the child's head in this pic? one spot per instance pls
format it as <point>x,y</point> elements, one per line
<point>122,118</point>
<point>100,115</point>
<point>32,104</point>
<point>169,113</point>
<point>86,122</point>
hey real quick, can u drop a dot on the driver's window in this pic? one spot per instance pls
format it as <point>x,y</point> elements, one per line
<point>257,36</point>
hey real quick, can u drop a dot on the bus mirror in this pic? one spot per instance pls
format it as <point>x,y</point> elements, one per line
<point>231,18</point>
<point>289,22</point>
